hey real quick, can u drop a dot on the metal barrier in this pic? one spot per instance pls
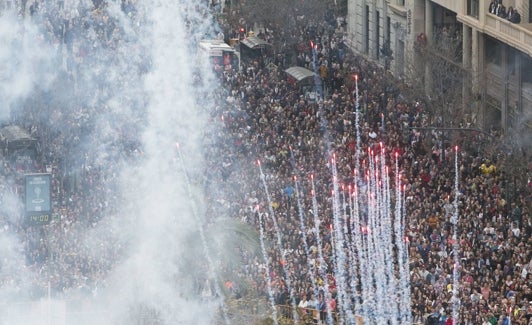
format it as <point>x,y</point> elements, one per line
<point>306,316</point>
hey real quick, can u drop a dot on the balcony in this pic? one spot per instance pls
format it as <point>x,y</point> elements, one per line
<point>518,36</point>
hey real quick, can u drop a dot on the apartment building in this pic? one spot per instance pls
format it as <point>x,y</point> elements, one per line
<point>433,40</point>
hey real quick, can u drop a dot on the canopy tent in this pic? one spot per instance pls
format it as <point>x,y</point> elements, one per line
<point>300,74</point>
<point>253,48</point>
<point>306,80</point>
<point>14,137</point>
<point>253,42</point>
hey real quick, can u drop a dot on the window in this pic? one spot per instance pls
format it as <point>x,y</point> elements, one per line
<point>530,11</point>
<point>401,2</point>
<point>493,51</point>
<point>378,32</point>
<point>473,8</point>
<point>366,48</point>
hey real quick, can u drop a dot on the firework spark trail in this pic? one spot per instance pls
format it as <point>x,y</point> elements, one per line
<point>322,265</point>
<point>378,240</point>
<point>456,247</point>
<point>339,248</point>
<point>371,242</point>
<point>388,235</point>
<point>268,277</point>
<point>356,214</point>
<point>377,237</point>
<point>403,294</point>
<point>405,280</point>
<point>351,275</point>
<point>374,246</point>
<point>317,79</point>
<point>324,125</point>
<point>397,231</point>
<point>206,251</point>
<point>356,255</point>
<point>302,224</point>
<point>304,236</point>
<point>363,244</point>
<point>280,245</point>
<point>357,130</point>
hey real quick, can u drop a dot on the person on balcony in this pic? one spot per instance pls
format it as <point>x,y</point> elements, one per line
<point>501,10</point>
<point>493,7</point>
<point>513,16</point>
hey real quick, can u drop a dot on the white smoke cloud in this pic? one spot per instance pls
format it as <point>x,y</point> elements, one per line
<point>133,98</point>
<point>22,66</point>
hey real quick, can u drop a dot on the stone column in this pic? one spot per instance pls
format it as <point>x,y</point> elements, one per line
<point>505,79</point>
<point>466,63</point>
<point>429,24</point>
<point>373,25</point>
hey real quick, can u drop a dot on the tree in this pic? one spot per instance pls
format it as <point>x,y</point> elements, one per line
<point>440,75</point>
<point>286,18</point>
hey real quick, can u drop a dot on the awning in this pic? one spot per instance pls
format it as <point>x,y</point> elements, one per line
<point>253,42</point>
<point>15,137</point>
<point>300,73</point>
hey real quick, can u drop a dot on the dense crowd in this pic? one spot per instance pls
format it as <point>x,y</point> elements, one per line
<point>284,129</point>
<point>266,117</point>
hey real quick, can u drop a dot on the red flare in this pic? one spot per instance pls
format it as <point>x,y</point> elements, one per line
<point>177,145</point>
<point>455,148</point>
<point>356,77</point>
<point>258,163</point>
<point>312,176</point>
<point>295,178</point>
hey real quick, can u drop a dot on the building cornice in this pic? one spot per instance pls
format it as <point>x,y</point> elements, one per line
<point>398,10</point>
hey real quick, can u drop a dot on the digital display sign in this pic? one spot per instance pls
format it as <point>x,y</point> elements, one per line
<point>38,189</point>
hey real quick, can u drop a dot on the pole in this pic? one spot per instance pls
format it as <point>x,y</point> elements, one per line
<point>49,303</point>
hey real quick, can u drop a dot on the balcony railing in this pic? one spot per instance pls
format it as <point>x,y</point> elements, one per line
<point>515,34</point>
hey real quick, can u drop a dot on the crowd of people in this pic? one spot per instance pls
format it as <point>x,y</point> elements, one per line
<point>496,7</point>
<point>494,226</point>
<point>267,118</point>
